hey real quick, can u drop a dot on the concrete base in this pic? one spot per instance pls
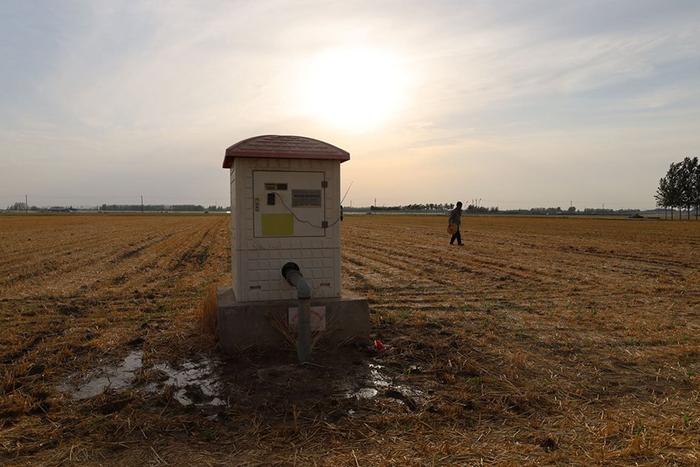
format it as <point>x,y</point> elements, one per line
<point>242,325</point>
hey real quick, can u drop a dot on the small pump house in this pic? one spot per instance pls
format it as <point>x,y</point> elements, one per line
<point>285,248</point>
<point>285,204</point>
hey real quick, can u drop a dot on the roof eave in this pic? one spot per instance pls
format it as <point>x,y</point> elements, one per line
<point>236,150</point>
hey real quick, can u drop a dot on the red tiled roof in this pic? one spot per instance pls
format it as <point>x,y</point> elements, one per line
<point>284,147</point>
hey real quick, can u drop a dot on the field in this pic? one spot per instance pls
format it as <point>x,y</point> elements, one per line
<point>541,341</point>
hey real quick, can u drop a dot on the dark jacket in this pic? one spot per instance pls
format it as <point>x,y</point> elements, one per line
<point>456,216</point>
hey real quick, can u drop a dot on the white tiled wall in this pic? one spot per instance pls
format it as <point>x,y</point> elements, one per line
<point>257,262</point>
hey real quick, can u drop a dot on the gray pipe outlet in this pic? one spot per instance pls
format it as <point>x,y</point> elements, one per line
<point>293,275</point>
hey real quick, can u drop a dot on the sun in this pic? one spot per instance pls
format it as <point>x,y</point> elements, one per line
<point>354,89</point>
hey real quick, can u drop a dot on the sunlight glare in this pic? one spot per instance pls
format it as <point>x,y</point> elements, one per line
<point>353,89</point>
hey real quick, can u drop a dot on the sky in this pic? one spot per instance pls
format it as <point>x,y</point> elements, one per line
<point>515,103</point>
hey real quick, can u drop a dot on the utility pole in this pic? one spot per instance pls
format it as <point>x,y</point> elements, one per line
<point>375,202</point>
<point>26,204</point>
<point>141,204</point>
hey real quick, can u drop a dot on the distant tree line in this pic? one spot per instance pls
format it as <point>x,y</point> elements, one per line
<point>680,187</point>
<point>163,208</point>
<point>572,211</point>
<point>557,211</point>
<point>437,207</point>
<point>475,209</point>
<point>430,207</point>
<point>21,206</point>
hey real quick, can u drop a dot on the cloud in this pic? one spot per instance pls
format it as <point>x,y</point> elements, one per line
<point>498,100</point>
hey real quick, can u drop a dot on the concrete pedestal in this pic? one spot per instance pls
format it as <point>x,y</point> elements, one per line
<point>265,324</point>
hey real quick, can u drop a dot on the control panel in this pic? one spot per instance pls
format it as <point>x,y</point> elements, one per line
<point>289,203</point>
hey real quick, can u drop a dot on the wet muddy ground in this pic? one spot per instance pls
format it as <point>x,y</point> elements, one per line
<point>213,383</point>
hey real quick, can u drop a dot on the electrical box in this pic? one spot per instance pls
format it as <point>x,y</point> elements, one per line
<point>285,206</point>
<point>289,204</point>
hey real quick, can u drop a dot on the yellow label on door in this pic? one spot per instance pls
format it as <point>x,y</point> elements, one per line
<point>279,225</point>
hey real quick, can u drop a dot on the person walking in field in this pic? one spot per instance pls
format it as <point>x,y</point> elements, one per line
<point>454,224</point>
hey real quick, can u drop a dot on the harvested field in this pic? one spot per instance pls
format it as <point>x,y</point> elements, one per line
<point>542,340</point>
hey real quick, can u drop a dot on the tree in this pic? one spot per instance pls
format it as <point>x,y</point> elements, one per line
<point>691,177</point>
<point>696,188</point>
<point>668,194</point>
<point>685,172</point>
<point>680,188</point>
<point>663,195</point>
<point>675,186</point>
<point>18,206</point>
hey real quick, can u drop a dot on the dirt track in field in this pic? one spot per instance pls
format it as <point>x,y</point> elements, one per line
<point>540,341</point>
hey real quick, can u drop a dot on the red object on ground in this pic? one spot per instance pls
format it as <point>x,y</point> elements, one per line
<point>379,345</point>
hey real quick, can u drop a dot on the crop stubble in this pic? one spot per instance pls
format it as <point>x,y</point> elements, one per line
<point>541,340</point>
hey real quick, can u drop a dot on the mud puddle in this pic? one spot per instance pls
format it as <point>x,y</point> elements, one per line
<point>369,383</point>
<point>375,381</point>
<point>200,382</point>
<point>194,383</point>
<point>104,378</point>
